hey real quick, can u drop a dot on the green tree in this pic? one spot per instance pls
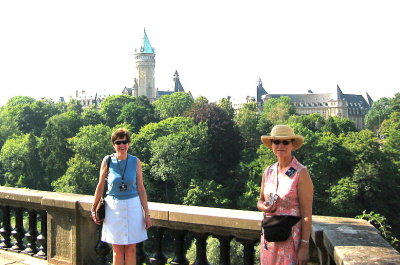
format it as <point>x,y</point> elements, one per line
<point>138,113</point>
<point>344,197</point>
<point>392,123</point>
<point>252,172</point>
<point>391,147</point>
<point>313,122</point>
<point>173,105</point>
<point>19,157</point>
<point>19,100</point>
<point>81,177</point>
<point>247,120</point>
<point>32,117</point>
<point>374,173</point>
<point>92,143</point>
<point>337,125</point>
<point>379,111</point>
<point>112,106</point>
<point>141,142</point>
<point>201,100</point>
<point>92,116</point>
<point>276,111</point>
<point>395,103</point>
<point>8,126</point>
<point>53,147</point>
<point>74,105</point>
<point>206,192</point>
<point>226,105</point>
<point>224,137</point>
<point>179,157</point>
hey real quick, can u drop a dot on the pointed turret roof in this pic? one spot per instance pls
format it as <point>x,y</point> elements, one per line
<point>260,90</point>
<point>370,101</point>
<point>338,95</point>
<point>177,83</point>
<point>146,46</point>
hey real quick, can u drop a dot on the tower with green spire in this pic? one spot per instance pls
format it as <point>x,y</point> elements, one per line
<point>145,65</point>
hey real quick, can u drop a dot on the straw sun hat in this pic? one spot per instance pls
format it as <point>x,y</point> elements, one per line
<point>282,132</point>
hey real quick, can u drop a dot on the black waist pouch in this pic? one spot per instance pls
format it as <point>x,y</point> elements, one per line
<point>278,228</point>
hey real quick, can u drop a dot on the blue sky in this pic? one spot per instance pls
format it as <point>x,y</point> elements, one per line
<point>220,48</point>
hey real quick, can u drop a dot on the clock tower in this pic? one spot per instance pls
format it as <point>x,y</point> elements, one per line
<point>145,64</point>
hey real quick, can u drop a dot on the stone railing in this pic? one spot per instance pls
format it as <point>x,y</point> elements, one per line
<point>58,227</point>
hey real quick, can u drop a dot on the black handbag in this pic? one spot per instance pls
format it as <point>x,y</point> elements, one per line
<point>101,205</point>
<point>279,227</point>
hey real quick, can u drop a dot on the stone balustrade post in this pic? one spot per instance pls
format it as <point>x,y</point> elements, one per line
<point>72,235</point>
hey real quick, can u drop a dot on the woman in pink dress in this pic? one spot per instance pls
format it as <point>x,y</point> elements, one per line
<point>286,189</point>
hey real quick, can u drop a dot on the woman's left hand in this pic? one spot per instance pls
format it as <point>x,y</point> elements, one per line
<point>302,254</point>
<point>147,221</point>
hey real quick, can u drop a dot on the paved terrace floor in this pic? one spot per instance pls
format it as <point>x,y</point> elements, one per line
<point>7,257</point>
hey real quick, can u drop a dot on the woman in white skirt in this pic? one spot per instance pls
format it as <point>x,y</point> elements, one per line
<point>127,213</point>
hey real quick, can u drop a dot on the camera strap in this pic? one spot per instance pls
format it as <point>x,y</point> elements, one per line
<point>120,170</point>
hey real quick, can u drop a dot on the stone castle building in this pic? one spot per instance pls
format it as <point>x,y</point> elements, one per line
<point>144,82</point>
<point>351,106</point>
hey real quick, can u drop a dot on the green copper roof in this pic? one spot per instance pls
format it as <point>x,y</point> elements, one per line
<point>146,46</point>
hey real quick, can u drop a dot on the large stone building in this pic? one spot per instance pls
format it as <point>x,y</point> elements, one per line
<point>144,82</point>
<point>351,106</point>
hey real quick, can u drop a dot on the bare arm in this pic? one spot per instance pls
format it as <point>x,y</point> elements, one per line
<point>261,199</point>
<point>306,193</point>
<point>142,194</point>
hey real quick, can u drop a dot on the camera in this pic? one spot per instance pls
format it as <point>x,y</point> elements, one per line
<point>272,198</point>
<point>123,187</point>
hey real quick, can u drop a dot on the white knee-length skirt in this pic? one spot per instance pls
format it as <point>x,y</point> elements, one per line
<point>124,222</point>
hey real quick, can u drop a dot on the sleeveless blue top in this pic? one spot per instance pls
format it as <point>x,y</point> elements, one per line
<point>114,179</point>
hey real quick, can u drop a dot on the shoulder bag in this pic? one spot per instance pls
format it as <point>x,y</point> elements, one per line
<point>101,205</point>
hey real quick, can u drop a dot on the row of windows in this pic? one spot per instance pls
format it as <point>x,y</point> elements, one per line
<point>310,104</point>
<point>146,57</point>
<point>90,102</point>
<point>357,112</point>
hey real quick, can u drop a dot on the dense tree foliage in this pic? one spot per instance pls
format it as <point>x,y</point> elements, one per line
<point>31,116</point>
<point>19,156</point>
<point>224,137</point>
<point>198,153</point>
<point>275,111</point>
<point>112,107</point>
<point>53,146</point>
<point>169,106</point>
<point>247,119</point>
<point>179,158</point>
<point>138,113</point>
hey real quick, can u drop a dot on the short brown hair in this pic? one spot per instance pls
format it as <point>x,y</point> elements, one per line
<point>120,133</point>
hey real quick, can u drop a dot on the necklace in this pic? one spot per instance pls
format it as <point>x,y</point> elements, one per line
<point>119,167</point>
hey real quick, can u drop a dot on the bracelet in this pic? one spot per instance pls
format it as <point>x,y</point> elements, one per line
<point>305,241</point>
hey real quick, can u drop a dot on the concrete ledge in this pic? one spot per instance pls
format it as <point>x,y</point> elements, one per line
<point>352,241</point>
<point>217,217</point>
<point>72,234</point>
<point>26,198</point>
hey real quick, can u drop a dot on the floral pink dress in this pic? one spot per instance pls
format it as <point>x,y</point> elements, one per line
<point>282,253</point>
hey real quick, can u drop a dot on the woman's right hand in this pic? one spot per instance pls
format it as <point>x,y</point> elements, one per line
<point>269,208</point>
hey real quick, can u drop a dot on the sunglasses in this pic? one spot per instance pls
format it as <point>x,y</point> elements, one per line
<point>284,142</point>
<point>121,142</point>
